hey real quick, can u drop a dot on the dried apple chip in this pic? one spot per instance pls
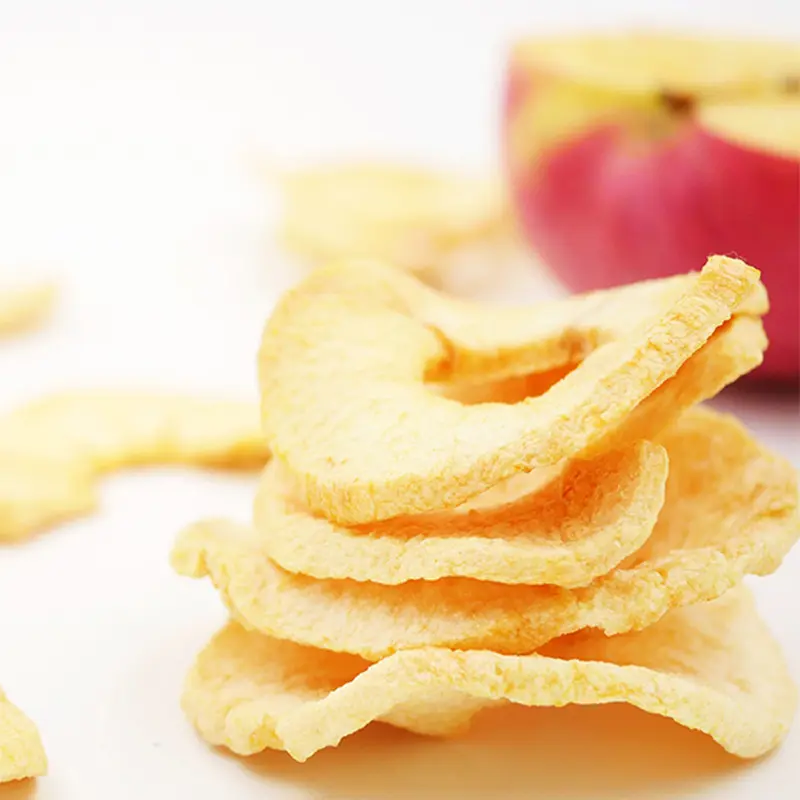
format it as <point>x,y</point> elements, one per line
<point>53,451</point>
<point>345,357</point>
<point>25,307</point>
<point>712,667</point>
<point>736,348</point>
<point>730,510</point>
<point>565,528</point>
<point>21,751</point>
<point>411,217</point>
<point>390,551</point>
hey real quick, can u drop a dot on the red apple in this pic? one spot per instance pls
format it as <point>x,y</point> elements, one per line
<point>638,156</point>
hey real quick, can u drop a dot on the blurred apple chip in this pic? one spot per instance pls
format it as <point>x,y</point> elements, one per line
<point>25,307</point>
<point>414,218</point>
<point>713,667</point>
<point>730,511</point>
<point>21,751</point>
<point>53,450</point>
<point>347,355</point>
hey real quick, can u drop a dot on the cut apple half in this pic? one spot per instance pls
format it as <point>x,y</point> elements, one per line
<point>632,156</point>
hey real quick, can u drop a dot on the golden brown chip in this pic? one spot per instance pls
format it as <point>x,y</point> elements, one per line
<point>25,307</point>
<point>730,510</point>
<point>52,451</point>
<point>21,751</point>
<point>411,217</point>
<point>713,667</point>
<point>345,358</point>
<point>565,529</point>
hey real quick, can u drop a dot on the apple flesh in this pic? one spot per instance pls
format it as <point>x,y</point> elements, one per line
<point>620,174</point>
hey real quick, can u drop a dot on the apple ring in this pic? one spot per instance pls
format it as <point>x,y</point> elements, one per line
<point>346,355</point>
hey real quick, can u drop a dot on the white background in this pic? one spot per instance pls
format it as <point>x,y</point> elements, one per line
<point>128,135</point>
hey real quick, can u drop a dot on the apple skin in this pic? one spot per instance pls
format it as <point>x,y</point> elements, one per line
<point>602,212</point>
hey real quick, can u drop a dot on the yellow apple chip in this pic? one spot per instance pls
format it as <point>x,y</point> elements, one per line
<point>730,510</point>
<point>565,528</point>
<point>25,307</point>
<point>21,751</point>
<point>736,348</point>
<point>53,450</point>
<point>346,355</point>
<point>411,217</point>
<point>392,551</point>
<point>712,667</point>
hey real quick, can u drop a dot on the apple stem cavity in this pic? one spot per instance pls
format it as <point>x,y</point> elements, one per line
<point>679,104</point>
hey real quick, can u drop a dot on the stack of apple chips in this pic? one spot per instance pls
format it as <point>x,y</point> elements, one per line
<point>468,505</point>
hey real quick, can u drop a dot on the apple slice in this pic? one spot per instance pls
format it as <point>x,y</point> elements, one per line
<point>632,156</point>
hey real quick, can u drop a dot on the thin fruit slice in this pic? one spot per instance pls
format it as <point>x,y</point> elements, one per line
<point>713,667</point>
<point>345,358</point>
<point>53,451</point>
<point>566,528</point>
<point>25,307</point>
<point>406,548</point>
<point>736,348</point>
<point>21,751</point>
<point>730,511</point>
<point>411,217</point>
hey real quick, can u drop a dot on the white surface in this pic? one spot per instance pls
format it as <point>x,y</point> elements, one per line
<point>124,148</point>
